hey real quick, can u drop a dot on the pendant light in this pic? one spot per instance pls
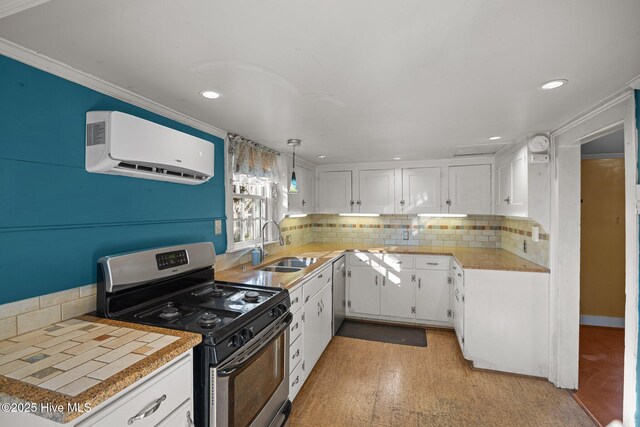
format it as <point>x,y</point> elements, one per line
<point>293,186</point>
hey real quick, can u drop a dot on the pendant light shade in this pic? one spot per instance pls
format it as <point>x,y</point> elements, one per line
<point>293,184</point>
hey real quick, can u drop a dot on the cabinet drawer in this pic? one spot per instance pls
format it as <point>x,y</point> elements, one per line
<point>295,329</point>
<point>296,378</point>
<point>364,258</point>
<point>296,299</point>
<point>433,262</point>
<point>181,417</point>
<point>398,262</point>
<point>316,283</point>
<point>165,391</point>
<point>296,353</point>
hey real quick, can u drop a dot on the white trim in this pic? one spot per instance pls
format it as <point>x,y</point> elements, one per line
<point>565,245</point>
<point>11,7</point>
<point>606,321</point>
<point>67,72</point>
<point>635,83</point>
<point>602,156</point>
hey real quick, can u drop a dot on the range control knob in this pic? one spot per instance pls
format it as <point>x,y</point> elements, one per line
<point>236,341</point>
<point>246,334</point>
<point>276,312</point>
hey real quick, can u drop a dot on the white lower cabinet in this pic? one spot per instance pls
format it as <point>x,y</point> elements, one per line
<point>432,295</point>
<point>397,294</point>
<point>310,330</point>
<point>399,287</point>
<point>457,302</point>
<point>181,417</point>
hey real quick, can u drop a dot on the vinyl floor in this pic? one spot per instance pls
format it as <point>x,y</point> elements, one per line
<point>601,372</point>
<point>366,383</point>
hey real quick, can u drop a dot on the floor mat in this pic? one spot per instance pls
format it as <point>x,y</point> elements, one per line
<point>404,335</point>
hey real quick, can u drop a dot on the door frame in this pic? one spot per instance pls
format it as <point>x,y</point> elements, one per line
<point>616,112</point>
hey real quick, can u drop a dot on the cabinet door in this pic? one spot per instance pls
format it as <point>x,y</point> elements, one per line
<point>376,191</point>
<point>181,417</point>
<point>503,187</point>
<point>302,202</point>
<point>317,326</point>
<point>334,192</point>
<point>432,295</point>
<point>421,190</point>
<point>519,184</point>
<point>364,290</point>
<point>470,189</point>
<point>458,306</point>
<point>398,294</point>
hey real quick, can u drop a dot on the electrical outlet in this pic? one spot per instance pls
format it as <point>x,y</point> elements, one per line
<point>217,226</point>
<point>288,239</point>
<point>535,234</point>
<point>405,234</point>
<point>524,246</point>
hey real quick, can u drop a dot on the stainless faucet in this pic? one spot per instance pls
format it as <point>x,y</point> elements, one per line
<point>280,238</point>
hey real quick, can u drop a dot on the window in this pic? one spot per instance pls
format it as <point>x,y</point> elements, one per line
<point>250,209</point>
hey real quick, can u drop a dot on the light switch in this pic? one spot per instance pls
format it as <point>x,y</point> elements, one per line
<point>218,226</point>
<point>535,234</point>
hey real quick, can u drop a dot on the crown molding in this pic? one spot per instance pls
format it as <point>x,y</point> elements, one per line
<point>11,7</point>
<point>42,62</point>
<point>635,83</point>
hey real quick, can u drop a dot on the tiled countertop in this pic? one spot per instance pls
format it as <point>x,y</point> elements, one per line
<point>84,360</point>
<point>468,258</point>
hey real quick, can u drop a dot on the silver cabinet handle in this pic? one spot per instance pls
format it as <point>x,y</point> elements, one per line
<point>376,280</point>
<point>419,282</point>
<point>384,280</point>
<point>307,298</point>
<point>294,327</point>
<point>297,380</point>
<point>148,410</point>
<point>398,262</point>
<point>433,263</point>
<point>190,422</point>
<point>319,276</point>
<point>508,200</point>
<point>295,301</point>
<point>459,274</point>
<point>296,354</point>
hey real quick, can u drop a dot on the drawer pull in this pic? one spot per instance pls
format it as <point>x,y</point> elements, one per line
<point>320,276</point>
<point>294,327</point>
<point>189,420</point>
<point>148,410</point>
<point>295,301</point>
<point>297,380</point>
<point>296,354</point>
<point>307,298</point>
<point>459,274</point>
<point>433,263</point>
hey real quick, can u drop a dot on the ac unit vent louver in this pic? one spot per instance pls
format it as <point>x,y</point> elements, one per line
<point>160,171</point>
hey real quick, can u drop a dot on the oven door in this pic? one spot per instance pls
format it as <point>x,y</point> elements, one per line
<point>252,387</point>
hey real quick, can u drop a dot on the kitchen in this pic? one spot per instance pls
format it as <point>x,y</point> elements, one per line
<point>374,222</point>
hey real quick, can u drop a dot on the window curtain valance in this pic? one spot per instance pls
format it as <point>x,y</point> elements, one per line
<point>252,159</point>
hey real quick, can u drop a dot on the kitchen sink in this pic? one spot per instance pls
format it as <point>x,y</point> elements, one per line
<point>280,269</point>
<point>295,262</point>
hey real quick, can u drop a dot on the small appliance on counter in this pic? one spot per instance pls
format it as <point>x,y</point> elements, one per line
<point>241,368</point>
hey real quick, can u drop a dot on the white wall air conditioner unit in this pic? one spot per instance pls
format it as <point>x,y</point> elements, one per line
<point>121,144</point>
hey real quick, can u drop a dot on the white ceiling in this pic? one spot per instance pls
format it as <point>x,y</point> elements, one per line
<point>355,80</point>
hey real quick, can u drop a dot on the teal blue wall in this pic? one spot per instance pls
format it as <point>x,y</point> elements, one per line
<point>56,219</point>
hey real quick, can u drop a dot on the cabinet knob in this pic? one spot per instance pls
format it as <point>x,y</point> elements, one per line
<point>508,200</point>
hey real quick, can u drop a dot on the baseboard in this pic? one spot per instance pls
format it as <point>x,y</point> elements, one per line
<point>610,322</point>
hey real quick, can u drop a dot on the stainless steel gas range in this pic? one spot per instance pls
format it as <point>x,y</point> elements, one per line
<point>241,372</point>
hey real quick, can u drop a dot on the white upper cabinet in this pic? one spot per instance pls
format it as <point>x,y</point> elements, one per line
<point>421,190</point>
<point>512,184</point>
<point>334,192</point>
<point>303,201</point>
<point>376,191</point>
<point>470,189</point>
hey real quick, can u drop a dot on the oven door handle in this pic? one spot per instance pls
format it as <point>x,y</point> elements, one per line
<point>283,325</point>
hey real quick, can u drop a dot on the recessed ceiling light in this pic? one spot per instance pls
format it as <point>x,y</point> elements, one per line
<point>397,158</point>
<point>495,138</point>
<point>210,94</point>
<point>553,84</point>
<point>322,157</point>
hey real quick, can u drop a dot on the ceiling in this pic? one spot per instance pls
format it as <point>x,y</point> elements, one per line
<point>355,80</point>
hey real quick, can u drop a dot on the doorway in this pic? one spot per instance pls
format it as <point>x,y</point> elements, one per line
<point>602,277</point>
